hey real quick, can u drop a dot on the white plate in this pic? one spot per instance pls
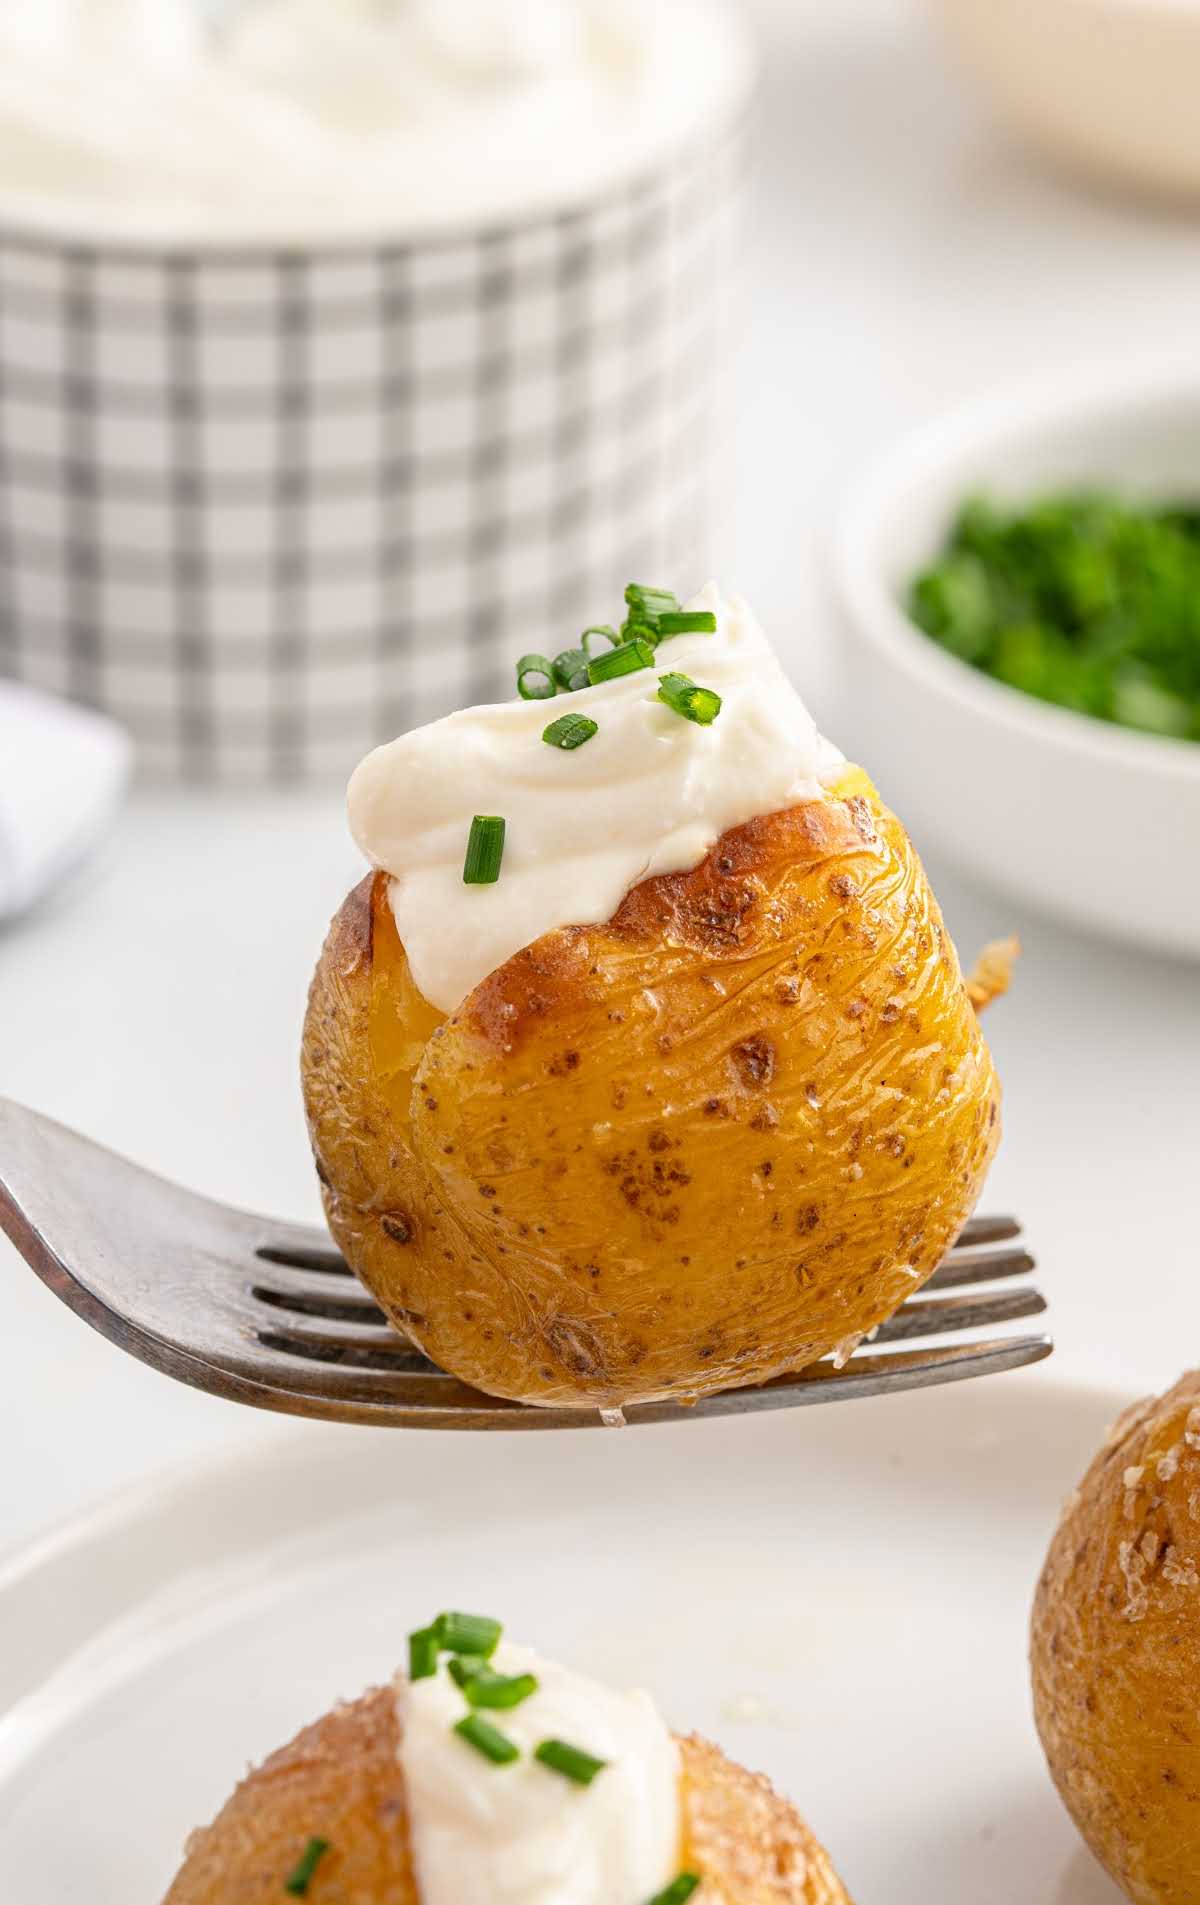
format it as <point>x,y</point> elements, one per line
<point>839,1596</point>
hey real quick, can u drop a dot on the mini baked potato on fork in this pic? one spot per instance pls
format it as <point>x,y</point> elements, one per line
<point>664,1092</point>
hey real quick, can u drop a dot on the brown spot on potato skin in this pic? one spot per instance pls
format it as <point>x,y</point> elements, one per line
<point>754,1059</point>
<point>397,1226</point>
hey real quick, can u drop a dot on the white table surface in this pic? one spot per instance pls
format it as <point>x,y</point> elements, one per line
<point>902,256</point>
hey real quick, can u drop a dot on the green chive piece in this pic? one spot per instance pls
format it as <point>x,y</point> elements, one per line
<point>488,1740</point>
<point>635,629</point>
<point>570,669</point>
<point>625,660</point>
<point>485,850</point>
<point>423,1654</point>
<point>646,609</point>
<point>677,1891</point>
<point>649,603</point>
<point>570,730</point>
<point>571,1761</point>
<point>681,694</point>
<point>298,1881</point>
<point>484,1687</point>
<point>462,1666</point>
<point>535,678</point>
<point>605,631</point>
<point>474,1634</point>
<point>687,622</point>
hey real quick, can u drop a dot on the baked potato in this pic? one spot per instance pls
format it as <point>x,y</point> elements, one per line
<point>340,1781</point>
<point>1116,1651</point>
<point>698,1146</point>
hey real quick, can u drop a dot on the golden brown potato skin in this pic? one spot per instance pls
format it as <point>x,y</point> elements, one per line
<point>696,1147</point>
<point>340,1780</point>
<point>1116,1651</point>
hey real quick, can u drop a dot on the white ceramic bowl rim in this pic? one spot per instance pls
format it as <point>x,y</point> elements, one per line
<point>1028,409</point>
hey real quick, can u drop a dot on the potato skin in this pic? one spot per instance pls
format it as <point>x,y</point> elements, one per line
<point>340,1780</point>
<point>696,1147</point>
<point>1116,1651</point>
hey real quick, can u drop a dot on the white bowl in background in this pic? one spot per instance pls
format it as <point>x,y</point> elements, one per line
<point>1091,822</point>
<point>1107,85</point>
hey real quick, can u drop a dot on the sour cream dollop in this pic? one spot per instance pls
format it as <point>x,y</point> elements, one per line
<point>648,794</point>
<point>312,118</point>
<point>522,1834</point>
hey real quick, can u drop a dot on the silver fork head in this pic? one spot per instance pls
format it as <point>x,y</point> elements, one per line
<point>268,1313</point>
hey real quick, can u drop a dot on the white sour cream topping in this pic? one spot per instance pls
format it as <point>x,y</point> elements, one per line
<point>522,1834</point>
<point>307,118</point>
<point>648,794</point>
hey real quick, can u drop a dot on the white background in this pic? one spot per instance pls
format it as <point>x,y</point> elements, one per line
<point>902,256</point>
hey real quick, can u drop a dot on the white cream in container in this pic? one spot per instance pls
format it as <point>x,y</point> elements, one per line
<point>649,793</point>
<point>523,1834</point>
<point>311,118</point>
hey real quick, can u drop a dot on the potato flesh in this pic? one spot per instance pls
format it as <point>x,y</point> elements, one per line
<point>340,1780</point>
<point>696,1147</point>
<point>1116,1651</point>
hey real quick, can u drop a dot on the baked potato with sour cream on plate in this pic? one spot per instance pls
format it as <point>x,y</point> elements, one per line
<point>358,1814</point>
<point>720,1131</point>
<point>1116,1651</point>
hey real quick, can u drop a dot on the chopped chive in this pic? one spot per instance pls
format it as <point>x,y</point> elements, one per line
<point>625,660</point>
<point>485,850</point>
<point>677,1891</point>
<point>468,1634</point>
<point>423,1654</point>
<point>462,1666</point>
<point>649,603</point>
<point>535,678</point>
<point>571,1761</point>
<point>488,1740</point>
<point>687,622</point>
<point>637,629</point>
<point>298,1881</point>
<point>682,695</point>
<point>570,730</point>
<point>484,1687</point>
<point>605,629</point>
<point>570,669</point>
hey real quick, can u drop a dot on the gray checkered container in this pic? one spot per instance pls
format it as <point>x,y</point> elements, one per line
<point>271,508</point>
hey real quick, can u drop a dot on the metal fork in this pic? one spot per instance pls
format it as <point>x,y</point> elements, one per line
<point>267,1313</point>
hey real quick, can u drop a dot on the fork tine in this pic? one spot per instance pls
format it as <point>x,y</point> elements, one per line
<point>986,1230</point>
<point>979,1266</point>
<point>879,1375</point>
<point>340,1341</point>
<point>313,1293</point>
<point>299,1253</point>
<point>919,1318</point>
<point>436,1401</point>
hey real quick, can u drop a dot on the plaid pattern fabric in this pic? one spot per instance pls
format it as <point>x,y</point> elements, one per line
<point>269,509</point>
